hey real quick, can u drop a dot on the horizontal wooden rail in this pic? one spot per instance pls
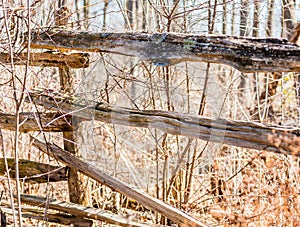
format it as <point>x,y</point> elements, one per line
<point>163,49</point>
<point>81,211</point>
<point>34,172</point>
<point>237,133</point>
<point>31,212</point>
<point>49,59</point>
<point>49,122</point>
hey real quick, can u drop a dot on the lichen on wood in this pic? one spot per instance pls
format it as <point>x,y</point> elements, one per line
<point>163,49</point>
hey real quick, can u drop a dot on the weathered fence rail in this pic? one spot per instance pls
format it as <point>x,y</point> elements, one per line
<point>236,133</point>
<point>162,49</point>
<point>37,122</point>
<point>155,204</point>
<point>48,59</point>
<point>244,54</point>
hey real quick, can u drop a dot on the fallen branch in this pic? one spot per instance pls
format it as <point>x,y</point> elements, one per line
<point>236,133</point>
<point>163,49</point>
<point>70,160</point>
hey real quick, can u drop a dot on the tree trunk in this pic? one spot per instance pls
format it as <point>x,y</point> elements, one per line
<point>288,18</point>
<point>255,32</point>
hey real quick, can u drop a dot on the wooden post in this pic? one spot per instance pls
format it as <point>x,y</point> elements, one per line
<point>77,183</point>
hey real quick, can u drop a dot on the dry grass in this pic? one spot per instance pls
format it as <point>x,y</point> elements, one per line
<point>219,184</point>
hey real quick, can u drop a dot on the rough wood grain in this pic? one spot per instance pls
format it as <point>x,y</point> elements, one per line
<point>49,59</point>
<point>34,172</point>
<point>81,211</point>
<point>163,49</point>
<point>58,218</point>
<point>39,214</point>
<point>77,183</point>
<point>70,160</point>
<point>237,133</point>
<point>49,122</point>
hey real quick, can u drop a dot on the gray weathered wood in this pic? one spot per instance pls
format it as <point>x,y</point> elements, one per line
<point>81,211</point>
<point>58,218</point>
<point>39,214</point>
<point>244,54</point>
<point>237,133</point>
<point>70,160</point>
<point>77,183</point>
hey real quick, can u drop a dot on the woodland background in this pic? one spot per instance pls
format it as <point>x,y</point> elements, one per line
<point>216,183</point>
